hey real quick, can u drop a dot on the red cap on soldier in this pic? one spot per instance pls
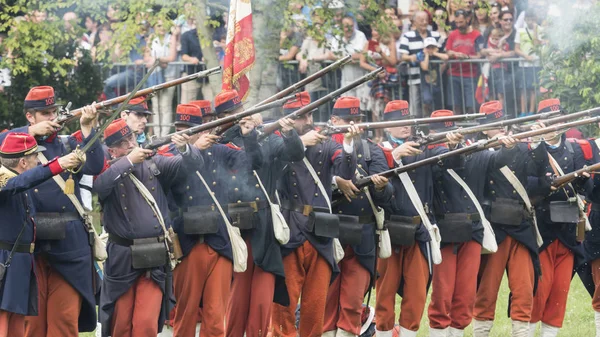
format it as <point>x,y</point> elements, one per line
<point>139,105</point>
<point>300,100</point>
<point>116,131</point>
<point>346,107</point>
<point>188,115</point>
<point>227,101</point>
<point>204,105</point>
<point>547,105</point>
<point>396,110</point>
<point>442,126</point>
<point>493,111</point>
<point>18,144</point>
<point>40,98</point>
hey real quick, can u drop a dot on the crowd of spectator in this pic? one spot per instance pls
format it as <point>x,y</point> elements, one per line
<point>456,56</point>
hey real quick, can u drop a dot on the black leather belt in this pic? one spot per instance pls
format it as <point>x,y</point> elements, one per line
<point>127,242</point>
<point>256,205</point>
<point>19,248</point>
<point>408,219</point>
<point>470,216</point>
<point>67,216</point>
<point>366,219</point>
<point>301,208</point>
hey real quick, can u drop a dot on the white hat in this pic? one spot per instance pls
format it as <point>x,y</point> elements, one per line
<point>335,4</point>
<point>430,41</point>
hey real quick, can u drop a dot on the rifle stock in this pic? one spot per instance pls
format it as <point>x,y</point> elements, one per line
<point>72,115</point>
<point>270,128</point>
<point>569,177</point>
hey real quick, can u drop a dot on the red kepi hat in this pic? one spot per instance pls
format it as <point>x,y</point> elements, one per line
<point>396,110</point>
<point>40,98</point>
<point>547,105</point>
<point>347,106</point>
<point>17,145</point>
<point>493,111</point>
<point>442,126</point>
<point>139,105</point>
<point>227,101</point>
<point>204,106</point>
<point>116,131</point>
<point>188,115</point>
<point>301,99</point>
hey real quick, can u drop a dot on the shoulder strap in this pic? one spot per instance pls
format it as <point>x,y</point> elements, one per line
<point>317,181</point>
<point>569,146</point>
<point>516,184</point>
<point>262,187</point>
<point>366,150</point>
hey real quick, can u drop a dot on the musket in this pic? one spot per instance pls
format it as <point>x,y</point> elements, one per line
<point>71,115</point>
<point>567,117</point>
<point>297,86</point>
<point>478,146</point>
<point>569,177</point>
<point>157,142</point>
<point>441,137</point>
<point>270,128</point>
<point>333,129</point>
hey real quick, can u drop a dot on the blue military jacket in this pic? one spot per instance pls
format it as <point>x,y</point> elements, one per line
<point>72,256</point>
<point>19,291</point>
<point>590,154</point>
<point>128,215</point>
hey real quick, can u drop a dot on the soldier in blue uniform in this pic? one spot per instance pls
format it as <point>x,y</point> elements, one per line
<point>454,282</point>
<point>136,115</point>
<point>515,232</point>
<point>132,192</point>
<point>252,292</point>
<point>309,255</point>
<point>64,262</point>
<point>407,271</point>
<point>18,174</point>
<point>357,268</point>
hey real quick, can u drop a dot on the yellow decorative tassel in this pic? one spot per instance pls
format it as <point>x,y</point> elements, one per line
<point>70,185</point>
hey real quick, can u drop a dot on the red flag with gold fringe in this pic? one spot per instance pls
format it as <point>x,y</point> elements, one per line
<point>239,50</point>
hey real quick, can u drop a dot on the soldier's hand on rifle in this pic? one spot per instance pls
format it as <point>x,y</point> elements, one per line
<point>353,131</point>
<point>287,124</point>
<point>205,141</point>
<point>454,138</point>
<point>44,128</point>
<point>380,182</point>
<point>70,161</point>
<point>247,125</point>
<point>88,115</point>
<point>407,149</point>
<point>508,142</point>
<point>312,138</point>
<point>138,155</point>
<point>180,141</point>
<point>347,188</point>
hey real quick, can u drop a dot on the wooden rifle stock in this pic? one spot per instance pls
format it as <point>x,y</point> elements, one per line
<point>297,86</point>
<point>157,142</point>
<point>334,129</point>
<point>569,177</point>
<point>72,115</point>
<point>270,128</point>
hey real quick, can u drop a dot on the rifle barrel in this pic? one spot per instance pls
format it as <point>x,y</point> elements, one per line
<point>560,119</point>
<point>74,114</point>
<point>567,178</point>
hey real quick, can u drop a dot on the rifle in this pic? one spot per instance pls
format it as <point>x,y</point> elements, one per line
<point>567,117</point>
<point>335,65</point>
<point>157,142</point>
<point>479,146</point>
<point>270,128</point>
<point>70,115</point>
<point>440,137</point>
<point>333,129</point>
<point>569,177</point>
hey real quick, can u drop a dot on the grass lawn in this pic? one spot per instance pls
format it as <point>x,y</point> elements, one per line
<point>579,319</point>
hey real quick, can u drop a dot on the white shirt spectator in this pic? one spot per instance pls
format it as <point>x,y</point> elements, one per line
<point>341,46</point>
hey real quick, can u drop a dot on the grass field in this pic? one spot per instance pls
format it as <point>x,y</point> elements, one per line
<point>579,319</point>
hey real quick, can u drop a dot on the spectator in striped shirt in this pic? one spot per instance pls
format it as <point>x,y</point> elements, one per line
<point>411,44</point>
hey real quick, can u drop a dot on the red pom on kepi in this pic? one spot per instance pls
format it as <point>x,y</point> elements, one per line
<point>493,111</point>
<point>204,106</point>
<point>346,107</point>
<point>188,115</point>
<point>396,110</point>
<point>547,105</point>
<point>18,144</point>
<point>227,101</point>
<point>442,126</point>
<point>302,99</point>
<point>40,98</point>
<point>116,131</point>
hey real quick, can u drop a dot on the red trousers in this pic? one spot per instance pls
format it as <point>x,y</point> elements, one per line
<point>454,286</point>
<point>11,323</point>
<point>309,274</point>
<point>408,263</point>
<point>59,305</point>
<point>137,311</point>
<point>550,300</point>
<point>203,275</point>
<point>249,307</point>
<point>346,295</point>
<point>515,258</point>
<point>596,276</point>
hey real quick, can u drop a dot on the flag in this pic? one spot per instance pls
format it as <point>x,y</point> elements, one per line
<point>239,49</point>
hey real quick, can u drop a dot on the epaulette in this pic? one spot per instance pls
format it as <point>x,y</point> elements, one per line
<point>387,152</point>
<point>233,146</point>
<point>164,151</point>
<point>586,147</point>
<point>78,136</point>
<point>5,176</point>
<point>277,133</point>
<point>338,138</point>
<point>433,146</point>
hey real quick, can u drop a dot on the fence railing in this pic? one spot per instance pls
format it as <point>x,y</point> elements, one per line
<point>459,85</point>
